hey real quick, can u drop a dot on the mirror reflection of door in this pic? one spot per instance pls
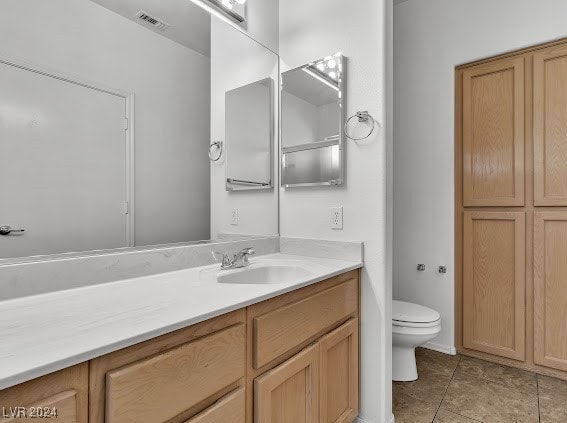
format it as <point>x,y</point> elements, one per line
<point>249,136</point>
<point>62,144</point>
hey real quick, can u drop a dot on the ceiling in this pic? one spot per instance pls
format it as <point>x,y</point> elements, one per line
<point>190,25</point>
<point>303,85</point>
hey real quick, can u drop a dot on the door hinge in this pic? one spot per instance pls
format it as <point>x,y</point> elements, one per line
<point>126,207</point>
<point>126,124</point>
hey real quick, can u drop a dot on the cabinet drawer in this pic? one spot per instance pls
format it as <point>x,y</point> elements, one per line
<point>65,391</point>
<point>64,404</point>
<point>162,387</point>
<point>228,409</point>
<point>277,332</point>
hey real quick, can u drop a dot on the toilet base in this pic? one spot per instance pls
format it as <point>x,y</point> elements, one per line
<point>404,368</point>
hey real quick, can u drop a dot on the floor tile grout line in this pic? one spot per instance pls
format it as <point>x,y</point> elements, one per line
<point>508,388</point>
<point>447,388</point>
<point>461,367</point>
<point>445,393</point>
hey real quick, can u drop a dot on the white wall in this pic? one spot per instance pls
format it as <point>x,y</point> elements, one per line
<point>300,124</point>
<point>430,38</point>
<point>237,60</point>
<point>171,84</point>
<point>263,22</point>
<point>310,30</point>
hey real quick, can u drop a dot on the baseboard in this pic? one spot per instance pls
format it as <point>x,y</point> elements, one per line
<point>445,349</point>
<point>359,420</point>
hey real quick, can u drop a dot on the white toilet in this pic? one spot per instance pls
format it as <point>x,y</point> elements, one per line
<point>412,325</point>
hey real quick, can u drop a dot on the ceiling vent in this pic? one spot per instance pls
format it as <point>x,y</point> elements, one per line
<point>152,20</point>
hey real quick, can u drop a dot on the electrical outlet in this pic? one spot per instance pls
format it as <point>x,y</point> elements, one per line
<point>234,217</point>
<point>336,217</point>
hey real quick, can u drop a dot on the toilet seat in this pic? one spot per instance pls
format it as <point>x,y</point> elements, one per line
<point>414,315</point>
<point>399,324</point>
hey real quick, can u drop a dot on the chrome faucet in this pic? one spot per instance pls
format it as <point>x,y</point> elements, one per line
<point>239,259</point>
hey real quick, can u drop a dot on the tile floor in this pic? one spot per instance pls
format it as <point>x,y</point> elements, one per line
<point>459,389</point>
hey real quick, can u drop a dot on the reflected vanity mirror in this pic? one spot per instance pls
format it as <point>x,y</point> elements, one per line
<point>249,115</point>
<point>312,98</point>
<point>108,118</point>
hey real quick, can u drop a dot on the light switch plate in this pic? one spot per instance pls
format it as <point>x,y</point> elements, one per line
<point>336,218</point>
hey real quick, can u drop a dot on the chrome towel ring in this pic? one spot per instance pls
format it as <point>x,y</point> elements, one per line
<point>215,146</point>
<point>363,116</point>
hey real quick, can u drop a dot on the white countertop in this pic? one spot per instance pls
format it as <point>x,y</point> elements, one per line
<point>49,332</point>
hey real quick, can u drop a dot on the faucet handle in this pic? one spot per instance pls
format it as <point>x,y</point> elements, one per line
<point>225,260</point>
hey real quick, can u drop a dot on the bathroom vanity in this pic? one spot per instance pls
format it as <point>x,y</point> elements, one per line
<point>111,309</point>
<point>282,351</point>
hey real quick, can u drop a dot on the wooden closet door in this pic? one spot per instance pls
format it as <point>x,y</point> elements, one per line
<point>550,289</point>
<point>493,134</point>
<point>550,127</point>
<point>494,283</point>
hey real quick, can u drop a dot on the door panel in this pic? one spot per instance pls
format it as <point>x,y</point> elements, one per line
<point>550,127</point>
<point>550,289</point>
<point>339,374</point>
<point>290,392</point>
<point>493,134</point>
<point>64,176</point>
<point>494,283</point>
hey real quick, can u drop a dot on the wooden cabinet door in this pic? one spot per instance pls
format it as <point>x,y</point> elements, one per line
<point>339,374</point>
<point>550,289</point>
<point>494,283</point>
<point>64,392</point>
<point>493,134</point>
<point>289,392</point>
<point>550,127</point>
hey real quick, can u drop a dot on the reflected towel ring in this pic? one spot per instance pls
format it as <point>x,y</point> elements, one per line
<point>362,116</point>
<point>218,146</point>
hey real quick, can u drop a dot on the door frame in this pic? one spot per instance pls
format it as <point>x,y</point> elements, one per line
<point>129,99</point>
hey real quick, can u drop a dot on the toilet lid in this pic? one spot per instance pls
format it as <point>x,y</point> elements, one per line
<point>413,313</point>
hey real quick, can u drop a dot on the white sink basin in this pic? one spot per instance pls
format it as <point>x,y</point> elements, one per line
<point>272,274</point>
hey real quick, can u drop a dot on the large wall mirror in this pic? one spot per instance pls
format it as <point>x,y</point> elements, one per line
<point>107,112</point>
<point>312,123</point>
